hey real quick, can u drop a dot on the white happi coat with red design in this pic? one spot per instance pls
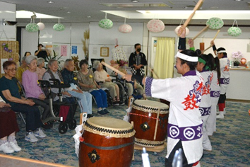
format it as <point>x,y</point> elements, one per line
<point>184,122</point>
<point>225,75</point>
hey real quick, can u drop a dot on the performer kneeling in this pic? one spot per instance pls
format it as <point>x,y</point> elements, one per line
<point>184,95</point>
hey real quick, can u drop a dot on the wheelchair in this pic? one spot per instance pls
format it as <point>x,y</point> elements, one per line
<point>121,84</point>
<point>60,111</point>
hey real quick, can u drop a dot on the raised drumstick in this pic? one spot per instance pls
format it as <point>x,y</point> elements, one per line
<point>157,77</point>
<point>197,6</point>
<point>114,69</point>
<point>200,32</point>
<point>212,40</point>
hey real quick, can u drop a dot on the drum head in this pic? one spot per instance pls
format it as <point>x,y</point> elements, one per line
<point>152,104</point>
<point>109,123</point>
<point>111,127</point>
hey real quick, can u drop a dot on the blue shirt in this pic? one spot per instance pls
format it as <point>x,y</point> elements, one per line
<point>68,77</point>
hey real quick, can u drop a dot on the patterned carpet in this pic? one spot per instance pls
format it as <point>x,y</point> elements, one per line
<point>231,142</point>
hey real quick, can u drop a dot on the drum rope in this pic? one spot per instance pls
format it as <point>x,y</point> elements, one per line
<point>144,116</point>
<point>157,121</point>
<point>108,148</point>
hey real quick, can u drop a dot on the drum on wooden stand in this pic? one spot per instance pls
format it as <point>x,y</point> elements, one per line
<point>150,123</point>
<point>106,142</point>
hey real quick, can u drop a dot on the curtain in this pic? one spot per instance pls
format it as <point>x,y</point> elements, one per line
<point>164,58</point>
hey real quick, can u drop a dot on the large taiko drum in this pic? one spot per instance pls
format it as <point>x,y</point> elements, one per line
<point>106,142</point>
<point>150,122</point>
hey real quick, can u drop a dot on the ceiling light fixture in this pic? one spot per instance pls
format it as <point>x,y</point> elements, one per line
<point>68,12</point>
<point>237,0</point>
<point>88,17</point>
<point>50,2</point>
<point>134,1</point>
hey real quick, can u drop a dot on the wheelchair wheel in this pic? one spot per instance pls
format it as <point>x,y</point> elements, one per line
<point>72,124</point>
<point>63,127</point>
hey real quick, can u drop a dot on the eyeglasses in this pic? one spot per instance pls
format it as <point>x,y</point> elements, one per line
<point>13,69</point>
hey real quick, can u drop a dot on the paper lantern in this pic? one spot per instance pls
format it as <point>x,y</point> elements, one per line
<point>234,31</point>
<point>32,27</point>
<point>58,27</point>
<point>215,23</point>
<point>125,28</point>
<point>177,29</point>
<point>105,23</point>
<point>41,26</point>
<point>155,26</point>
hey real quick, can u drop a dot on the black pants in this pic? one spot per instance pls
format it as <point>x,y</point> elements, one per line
<point>32,113</point>
<point>44,105</point>
<point>222,98</point>
<point>169,160</point>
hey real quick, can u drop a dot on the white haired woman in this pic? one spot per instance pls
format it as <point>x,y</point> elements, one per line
<point>32,90</point>
<point>103,77</point>
<point>40,70</point>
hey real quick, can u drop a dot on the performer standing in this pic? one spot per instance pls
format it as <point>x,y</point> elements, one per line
<point>184,123</point>
<point>137,61</point>
<point>205,65</point>
<point>214,94</point>
<point>225,77</point>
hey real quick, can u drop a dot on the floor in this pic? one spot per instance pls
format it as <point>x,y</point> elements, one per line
<point>231,142</point>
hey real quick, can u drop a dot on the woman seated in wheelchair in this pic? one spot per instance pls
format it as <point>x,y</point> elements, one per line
<point>101,76</point>
<point>10,94</point>
<point>87,83</point>
<point>32,90</point>
<point>69,94</point>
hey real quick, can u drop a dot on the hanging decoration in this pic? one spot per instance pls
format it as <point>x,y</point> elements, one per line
<point>58,26</point>
<point>155,25</point>
<point>215,23</point>
<point>234,31</point>
<point>178,27</point>
<point>125,28</point>
<point>32,26</point>
<point>41,25</point>
<point>105,23</point>
<point>6,48</point>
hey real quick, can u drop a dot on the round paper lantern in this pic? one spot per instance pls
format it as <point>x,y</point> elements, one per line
<point>58,27</point>
<point>155,26</point>
<point>234,31</point>
<point>105,23</point>
<point>125,28</point>
<point>32,27</point>
<point>41,26</point>
<point>177,29</point>
<point>215,23</point>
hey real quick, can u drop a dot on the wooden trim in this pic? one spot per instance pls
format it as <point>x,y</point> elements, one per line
<point>32,161</point>
<point>238,100</point>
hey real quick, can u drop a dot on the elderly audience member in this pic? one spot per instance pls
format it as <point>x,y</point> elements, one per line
<point>21,69</point>
<point>87,83</point>
<point>32,90</point>
<point>8,129</point>
<point>10,94</point>
<point>26,54</point>
<point>105,81</point>
<point>84,98</point>
<point>40,70</point>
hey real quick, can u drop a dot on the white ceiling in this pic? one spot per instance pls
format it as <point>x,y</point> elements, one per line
<point>80,9</point>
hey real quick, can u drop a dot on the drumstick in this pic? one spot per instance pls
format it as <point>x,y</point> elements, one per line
<point>200,32</point>
<point>197,6</point>
<point>156,125</point>
<point>114,69</point>
<point>133,158</point>
<point>157,77</point>
<point>212,40</point>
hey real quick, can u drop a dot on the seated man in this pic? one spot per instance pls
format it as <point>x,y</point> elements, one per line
<point>85,98</point>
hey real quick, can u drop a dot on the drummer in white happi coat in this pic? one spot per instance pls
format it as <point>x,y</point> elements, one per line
<point>205,67</point>
<point>184,95</point>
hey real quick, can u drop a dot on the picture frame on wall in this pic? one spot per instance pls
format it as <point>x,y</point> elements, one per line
<point>104,51</point>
